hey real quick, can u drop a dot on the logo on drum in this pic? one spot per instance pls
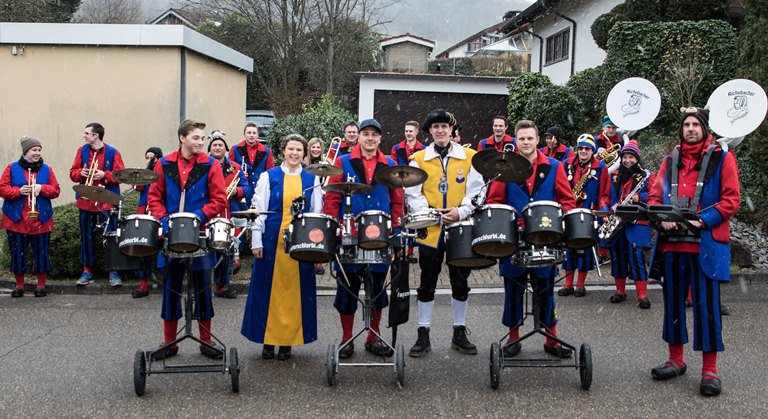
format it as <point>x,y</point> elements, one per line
<point>546,222</point>
<point>134,240</point>
<point>316,235</point>
<point>372,231</point>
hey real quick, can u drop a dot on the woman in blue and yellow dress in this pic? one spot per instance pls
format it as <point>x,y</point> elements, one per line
<point>281,309</point>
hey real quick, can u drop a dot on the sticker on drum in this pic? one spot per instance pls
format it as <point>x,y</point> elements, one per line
<point>372,231</point>
<point>316,235</point>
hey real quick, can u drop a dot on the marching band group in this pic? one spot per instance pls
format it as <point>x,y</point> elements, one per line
<point>281,307</point>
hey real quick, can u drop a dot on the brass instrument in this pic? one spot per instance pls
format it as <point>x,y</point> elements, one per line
<point>609,155</point>
<point>578,188</point>
<point>337,141</point>
<point>91,171</point>
<point>232,188</point>
<point>610,227</point>
<point>32,198</point>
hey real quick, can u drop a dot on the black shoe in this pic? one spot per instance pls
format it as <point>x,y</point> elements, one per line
<point>511,351</point>
<point>268,352</point>
<point>558,351</point>
<point>164,352</point>
<point>460,341</point>
<point>565,291</point>
<point>236,266</point>
<point>618,298</point>
<point>284,353</point>
<point>422,346</point>
<point>688,303</point>
<point>212,350</point>
<point>668,370</point>
<point>347,351</point>
<point>139,293</point>
<point>320,271</point>
<point>41,292</point>
<point>222,291</point>
<point>17,292</point>
<point>710,385</point>
<point>724,310</point>
<point>644,303</point>
<point>378,348</point>
<point>411,258</point>
<point>579,292</point>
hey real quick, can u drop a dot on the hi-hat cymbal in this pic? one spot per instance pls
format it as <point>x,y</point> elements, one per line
<point>509,167</point>
<point>251,213</point>
<point>348,188</point>
<point>323,169</point>
<point>400,176</point>
<point>97,194</point>
<point>133,176</point>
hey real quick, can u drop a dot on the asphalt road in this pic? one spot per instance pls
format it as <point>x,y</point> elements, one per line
<point>72,356</point>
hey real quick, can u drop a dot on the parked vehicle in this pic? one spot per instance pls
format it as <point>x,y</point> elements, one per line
<point>264,118</point>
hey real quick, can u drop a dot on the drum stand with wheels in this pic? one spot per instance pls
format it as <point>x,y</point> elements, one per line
<point>143,364</point>
<point>581,361</point>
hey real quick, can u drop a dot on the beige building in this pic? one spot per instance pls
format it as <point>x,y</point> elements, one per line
<point>406,53</point>
<point>139,81</point>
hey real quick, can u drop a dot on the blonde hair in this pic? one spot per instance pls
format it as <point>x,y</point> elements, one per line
<point>312,141</point>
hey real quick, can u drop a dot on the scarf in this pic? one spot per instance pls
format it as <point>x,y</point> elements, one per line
<point>35,167</point>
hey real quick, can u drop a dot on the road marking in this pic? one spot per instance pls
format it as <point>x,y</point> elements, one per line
<point>499,290</point>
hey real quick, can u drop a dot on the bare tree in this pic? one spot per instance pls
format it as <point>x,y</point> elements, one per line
<point>110,11</point>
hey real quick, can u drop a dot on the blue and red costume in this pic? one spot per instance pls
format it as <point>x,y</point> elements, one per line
<point>401,154</point>
<point>258,158</point>
<point>560,153</point>
<point>242,190</point>
<point>507,143</point>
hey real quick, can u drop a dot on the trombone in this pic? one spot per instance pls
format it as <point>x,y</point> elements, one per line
<point>337,142</point>
<point>32,198</point>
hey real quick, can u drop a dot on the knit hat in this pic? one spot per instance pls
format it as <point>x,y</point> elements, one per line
<point>157,151</point>
<point>607,121</point>
<point>587,140</point>
<point>632,148</point>
<point>438,115</point>
<point>702,114</point>
<point>219,137</point>
<point>27,143</point>
<point>556,132</point>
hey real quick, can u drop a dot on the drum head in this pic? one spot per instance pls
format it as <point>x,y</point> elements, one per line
<point>633,103</point>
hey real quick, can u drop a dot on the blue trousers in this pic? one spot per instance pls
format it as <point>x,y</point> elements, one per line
<point>346,303</point>
<point>173,289</point>
<point>514,292</point>
<point>221,273</point>
<point>582,261</point>
<point>88,221</point>
<point>627,260</point>
<point>19,245</point>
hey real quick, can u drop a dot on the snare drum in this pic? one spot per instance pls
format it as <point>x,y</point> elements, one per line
<point>543,223</point>
<point>422,219</point>
<point>580,227</point>
<point>458,247</point>
<point>531,256</point>
<point>183,232</point>
<point>356,254</point>
<point>313,237</point>
<point>219,233</point>
<point>494,231</point>
<point>115,259</point>
<point>373,229</point>
<point>138,235</point>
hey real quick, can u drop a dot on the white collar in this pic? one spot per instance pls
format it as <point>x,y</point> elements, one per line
<point>288,171</point>
<point>456,151</point>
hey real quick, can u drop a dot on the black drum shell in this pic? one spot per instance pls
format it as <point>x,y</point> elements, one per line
<point>494,231</point>
<point>183,233</point>
<point>115,260</point>
<point>318,249</point>
<point>139,236</point>
<point>372,229</point>
<point>543,224</point>
<point>458,248</point>
<point>580,232</point>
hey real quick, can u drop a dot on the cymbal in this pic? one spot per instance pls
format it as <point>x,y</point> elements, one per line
<point>97,194</point>
<point>251,213</point>
<point>348,188</point>
<point>509,167</point>
<point>134,176</point>
<point>323,169</point>
<point>400,176</point>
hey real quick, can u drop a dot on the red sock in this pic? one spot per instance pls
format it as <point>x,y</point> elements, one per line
<point>169,330</point>
<point>690,294</point>
<point>603,251</point>
<point>676,354</point>
<point>514,333</point>
<point>582,279</point>
<point>621,285</point>
<point>143,284</point>
<point>19,280</point>
<point>642,289</point>
<point>87,269</point>
<point>569,279</point>
<point>410,250</point>
<point>709,364</point>
<point>553,332</point>
<point>347,322</point>
<point>375,321</point>
<point>205,330</point>
<point>41,279</point>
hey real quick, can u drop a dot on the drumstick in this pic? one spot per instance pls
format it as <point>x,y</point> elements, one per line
<point>181,201</point>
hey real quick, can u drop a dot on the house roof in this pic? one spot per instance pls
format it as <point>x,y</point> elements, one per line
<point>515,20</point>
<point>123,35</point>
<point>407,37</point>
<point>493,28</point>
<point>190,19</point>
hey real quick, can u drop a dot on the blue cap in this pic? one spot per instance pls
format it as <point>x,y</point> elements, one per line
<point>370,123</point>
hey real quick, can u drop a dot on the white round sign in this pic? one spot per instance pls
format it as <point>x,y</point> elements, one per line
<point>737,108</point>
<point>633,103</point>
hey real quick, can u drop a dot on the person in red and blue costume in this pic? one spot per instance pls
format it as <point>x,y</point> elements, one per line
<point>597,192</point>
<point>360,166</point>
<point>608,135</point>
<point>555,147</point>
<point>152,155</point>
<point>217,149</point>
<point>24,227</point>
<point>401,153</point>
<point>500,140</point>
<point>199,176</point>
<point>629,244</point>
<point>253,155</point>
<point>547,182</point>
<point>107,161</point>
<point>702,179</point>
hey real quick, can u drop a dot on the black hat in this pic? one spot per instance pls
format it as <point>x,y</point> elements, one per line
<point>156,151</point>
<point>438,115</point>
<point>556,132</point>
<point>702,114</point>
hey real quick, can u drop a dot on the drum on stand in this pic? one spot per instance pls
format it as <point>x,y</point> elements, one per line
<point>422,219</point>
<point>494,231</point>
<point>220,231</point>
<point>373,229</point>
<point>138,235</point>
<point>312,237</point>
<point>531,256</point>
<point>458,247</point>
<point>580,228</point>
<point>543,223</point>
<point>183,233</point>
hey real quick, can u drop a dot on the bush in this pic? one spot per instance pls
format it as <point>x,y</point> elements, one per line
<point>631,10</point>
<point>520,91</point>
<point>591,88</point>
<point>555,105</point>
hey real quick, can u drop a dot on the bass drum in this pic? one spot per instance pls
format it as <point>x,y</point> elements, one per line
<point>580,228</point>
<point>313,237</point>
<point>494,231</point>
<point>543,223</point>
<point>458,247</point>
<point>115,260</point>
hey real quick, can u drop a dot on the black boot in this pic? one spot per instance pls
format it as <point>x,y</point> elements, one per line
<point>284,353</point>
<point>422,346</point>
<point>460,341</point>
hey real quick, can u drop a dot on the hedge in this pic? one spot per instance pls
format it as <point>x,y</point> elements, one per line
<point>520,90</point>
<point>555,105</point>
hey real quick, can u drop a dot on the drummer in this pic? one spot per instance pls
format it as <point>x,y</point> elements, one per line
<point>218,149</point>
<point>152,155</point>
<point>360,166</point>
<point>598,195</point>
<point>190,170</point>
<point>549,183</point>
<point>401,153</point>
<point>451,184</point>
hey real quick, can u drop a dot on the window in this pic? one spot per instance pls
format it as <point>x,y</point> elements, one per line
<point>558,47</point>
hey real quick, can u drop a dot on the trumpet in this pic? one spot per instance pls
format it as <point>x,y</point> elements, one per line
<point>91,171</point>
<point>610,154</point>
<point>337,142</point>
<point>232,188</point>
<point>32,198</point>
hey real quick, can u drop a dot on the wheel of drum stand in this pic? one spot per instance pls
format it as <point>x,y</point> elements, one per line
<point>330,365</point>
<point>139,373</point>
<point>585,366</point>
<point>495,364</point>
<point>234,370</point>
<point>400,364</point>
